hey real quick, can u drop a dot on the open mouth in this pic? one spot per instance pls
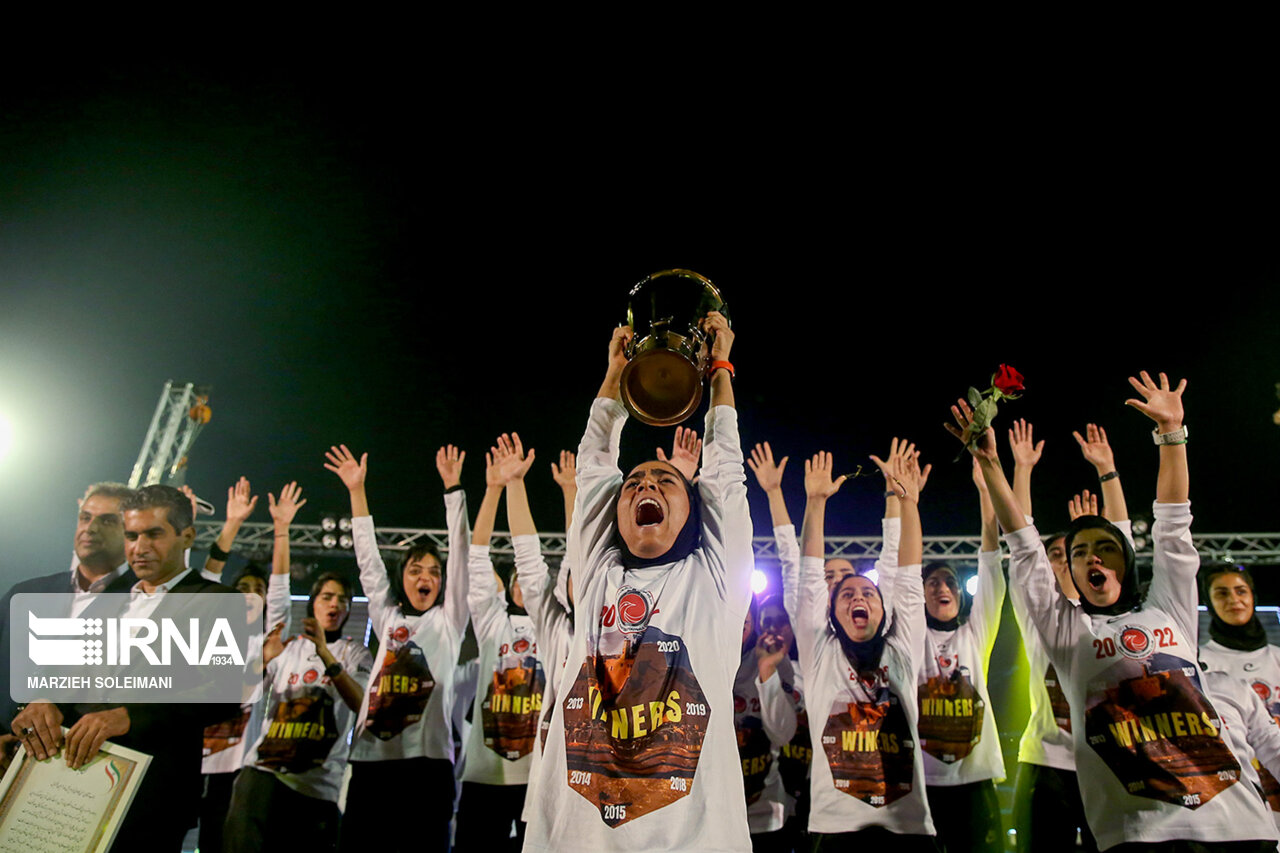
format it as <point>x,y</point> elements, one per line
<point>648,512</point>
<point>1097,579</point>
<point>859,613</point>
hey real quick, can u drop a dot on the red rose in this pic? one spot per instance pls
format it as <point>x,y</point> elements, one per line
<point>1008,380</point>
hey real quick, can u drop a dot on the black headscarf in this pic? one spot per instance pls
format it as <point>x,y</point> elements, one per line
<point>1130,592</point>
<point>688,541</point>
<point>864,655</point>
<point>966,600</point>
<point>1248,637</point>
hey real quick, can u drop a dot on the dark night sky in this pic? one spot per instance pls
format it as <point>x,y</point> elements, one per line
<point>345,260</point>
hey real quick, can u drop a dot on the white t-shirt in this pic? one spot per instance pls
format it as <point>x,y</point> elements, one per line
<point>1260,670</point>
<point>508,700</point>
<point>957,725</point>
<point>546,599</point>
<point>764,717</point>
<point>225,742</point>
<point>867,769</point>
<point>304,731</point>
<point>1249,728</point>
<point>645,705</point>
<point>1152,763</point>
<point>1046,741</point>
<point>409,698</point>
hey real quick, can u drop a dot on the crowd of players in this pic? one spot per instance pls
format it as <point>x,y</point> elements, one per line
<point>596,715</point>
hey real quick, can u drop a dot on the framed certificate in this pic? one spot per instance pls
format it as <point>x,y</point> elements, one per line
<point>46,806</point>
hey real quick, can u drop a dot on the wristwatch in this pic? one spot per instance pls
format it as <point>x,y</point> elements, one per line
<point>1178,436</point>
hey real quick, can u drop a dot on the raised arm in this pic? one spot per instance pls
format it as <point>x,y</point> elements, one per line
<point>1097,452</point>
<point>810,622</point>
<point>383,603</point>
<point>484,596</point>
<point>1164,406</point>
<point>988,601</point>
<point>891,525</point>
<point>449,461</point>
<point>565,474</point>
<point>1008,511</point>
<point>721,342</point>
<point>240,504</point>
<point>908,628</point>
<point>282,512</point>
<point>597,475</point>
<point>512,463</point>
<point>722,484</point>
<point>1026,454</point>
<point>769,478</point>
<point>818,489</point>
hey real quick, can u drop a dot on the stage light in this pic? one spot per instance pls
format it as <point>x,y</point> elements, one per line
<point>872,575</point>
<point>1140,527</point>
<point>344,524</point>
<point>1139,542</point>
<point>972,585</point>
<point>759,583</point>
<point>328,523</point>
<point>345,541</point>
<point>329,540</point>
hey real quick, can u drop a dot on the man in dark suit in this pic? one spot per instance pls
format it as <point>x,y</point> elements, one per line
<point>158,528</point>
<point>100,566</point>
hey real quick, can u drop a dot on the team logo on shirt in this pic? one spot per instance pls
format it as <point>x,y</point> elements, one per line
<point>399,692</point>
<point>951,714</point>
<point>1152,725</point>
<point>311,676</point>
<point>868,744</point>
<point>227,733</point>
<point>635,606</point>
<point>513,702</point>
<point>301,731</point>
<point>1263,690</point>
<point>1136,642</point>
<point>634,723</point>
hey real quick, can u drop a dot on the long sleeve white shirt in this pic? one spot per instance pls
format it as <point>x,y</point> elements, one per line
<point>641,753</point>
<point>1151,759</point>
<point>409,699</point>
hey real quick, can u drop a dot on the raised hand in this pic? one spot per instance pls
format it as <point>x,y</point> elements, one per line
<point>509,458</point>
<point>273,645</point>
<point>903,449</point>
<point>240,502</point>
<point>566,473</point>
<point>817,476</point>
<point>449,463</point>
<point>1160,403</point>
<point>904,473</point>
<point>686,452</point>
<point>768,475</point>
<point>1026,451</point>
<point>344,464</point>
<point>1082,504</point>
<point>492,473</point>
<point>1096,449</point>
<point>284,510</point>
<point>984,447</point>
<point>618,347</point>
<point>770,650</point>
<point>717,325</point>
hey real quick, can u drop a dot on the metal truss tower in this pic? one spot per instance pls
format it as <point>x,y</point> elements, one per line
<point>180,415</point>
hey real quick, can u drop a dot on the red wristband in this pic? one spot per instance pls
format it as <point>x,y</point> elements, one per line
<point>716,365</point>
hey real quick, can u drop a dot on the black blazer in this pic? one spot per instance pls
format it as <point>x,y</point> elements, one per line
<point>173,735</point>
